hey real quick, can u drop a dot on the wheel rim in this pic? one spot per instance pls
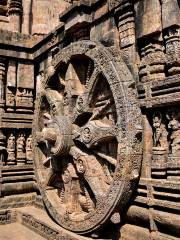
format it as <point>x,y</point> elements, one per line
<point>96,155</point>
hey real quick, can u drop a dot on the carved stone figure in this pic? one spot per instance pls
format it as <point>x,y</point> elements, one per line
<point>160,146</point>
<point>74,196</point>
<point>160,133</point>
<point>174,126</point>
<point>29,153</point>
<point>11,160</point>
<point>20,148</point>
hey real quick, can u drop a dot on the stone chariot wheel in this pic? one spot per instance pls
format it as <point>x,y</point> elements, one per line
<point>87,132</point>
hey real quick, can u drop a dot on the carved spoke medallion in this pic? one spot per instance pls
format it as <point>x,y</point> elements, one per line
<point>87,137</point>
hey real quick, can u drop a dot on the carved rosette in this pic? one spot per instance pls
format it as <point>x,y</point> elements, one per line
<point>87,132</point>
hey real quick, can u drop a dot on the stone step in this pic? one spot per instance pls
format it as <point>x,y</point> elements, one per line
<point>16,230</point>
<point>17,178</point>
<point>4,174</point>
<point>38,220</point>
<point>34,222</point>
<point>16,168</point>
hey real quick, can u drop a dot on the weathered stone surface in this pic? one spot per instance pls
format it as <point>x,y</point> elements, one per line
<point>89,119</point>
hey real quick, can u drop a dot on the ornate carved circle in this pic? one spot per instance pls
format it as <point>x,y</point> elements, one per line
<point>88,137</point>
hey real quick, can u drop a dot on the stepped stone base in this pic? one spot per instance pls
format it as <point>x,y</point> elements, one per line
<point>29,223</point>
<point>18,231</point>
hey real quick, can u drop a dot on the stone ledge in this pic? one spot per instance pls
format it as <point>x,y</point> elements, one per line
<point>39,222</point>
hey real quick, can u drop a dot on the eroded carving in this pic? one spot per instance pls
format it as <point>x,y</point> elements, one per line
<point>78,136</point>
<point>172,38</point>
<point>160,133</point>
<point>24,98</point>
<point>160,146</point>
<point>174,126</point>
<point>29,153</point>
<point>11,147</point>
<point>20,149</point>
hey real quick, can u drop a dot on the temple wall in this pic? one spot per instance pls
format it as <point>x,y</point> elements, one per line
<point>145,36</point>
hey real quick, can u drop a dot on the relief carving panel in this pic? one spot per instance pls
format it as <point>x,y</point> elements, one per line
<point>166,144</point>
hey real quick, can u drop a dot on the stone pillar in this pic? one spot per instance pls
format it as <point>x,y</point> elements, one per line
<point>15,15</point>
<point>147,148</point>
<point>171,26</point>
<point>27,15</point>
<point>125,18</point>
<point>149,40</point>
<point>41,17</point>
<point>172,40</point>
<point>2,81</point>
<point>126,25</point>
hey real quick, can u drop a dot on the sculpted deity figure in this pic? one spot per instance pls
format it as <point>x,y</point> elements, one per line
<point>11,142</point>
<point>174,125</point>
<point>73,194</point>
<point>29,154</point>
<point>20,147</point>
<point>20,143</point>
<point>11,149</point>
<point>160,133</point>
<point>29,143</point>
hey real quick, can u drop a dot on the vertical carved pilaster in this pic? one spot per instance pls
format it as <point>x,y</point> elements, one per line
<point>147,148</point>
<point>152,63</point>
<point>172,39</point>
<point>11,85</point>
<point>126,25</point>
<point>15,14</point>
<point>27,16</point>
<point>171,30</point>
<point>149,40</point>
<point>125,18</point>
<point>2,81</point>
<point>2,155</point>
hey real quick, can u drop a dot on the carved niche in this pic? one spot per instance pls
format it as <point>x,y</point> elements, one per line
<point>166,143</point>
<point>87,137</point>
